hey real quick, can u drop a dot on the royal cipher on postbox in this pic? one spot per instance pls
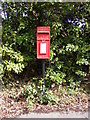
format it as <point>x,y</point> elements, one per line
<point>43,42</point>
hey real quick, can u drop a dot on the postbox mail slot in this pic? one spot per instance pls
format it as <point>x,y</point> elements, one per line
<point>42,39</point>
<point>43,32</point>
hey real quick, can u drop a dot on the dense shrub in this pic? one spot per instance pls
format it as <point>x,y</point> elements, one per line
<point>70,48</point>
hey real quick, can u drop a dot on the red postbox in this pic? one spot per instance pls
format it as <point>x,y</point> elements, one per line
<point>43,42</point>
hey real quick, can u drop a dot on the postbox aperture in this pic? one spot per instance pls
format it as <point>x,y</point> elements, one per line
<point>43,42</point>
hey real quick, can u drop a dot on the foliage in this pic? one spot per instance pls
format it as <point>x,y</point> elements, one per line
<point>13,60</point>
<point>30,93</point>
<point>70,48</point>
<point>1,72</point>
<point>47,97</point>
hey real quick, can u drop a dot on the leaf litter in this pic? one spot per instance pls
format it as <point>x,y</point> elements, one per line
<point>10,107</point>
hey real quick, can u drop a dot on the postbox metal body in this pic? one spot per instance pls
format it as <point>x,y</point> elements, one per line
<point>43,42</point>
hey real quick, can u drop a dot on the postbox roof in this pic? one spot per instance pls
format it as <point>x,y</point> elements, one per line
<point>43,28</point>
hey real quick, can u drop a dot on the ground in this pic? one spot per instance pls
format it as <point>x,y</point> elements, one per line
<point>19,108</point>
